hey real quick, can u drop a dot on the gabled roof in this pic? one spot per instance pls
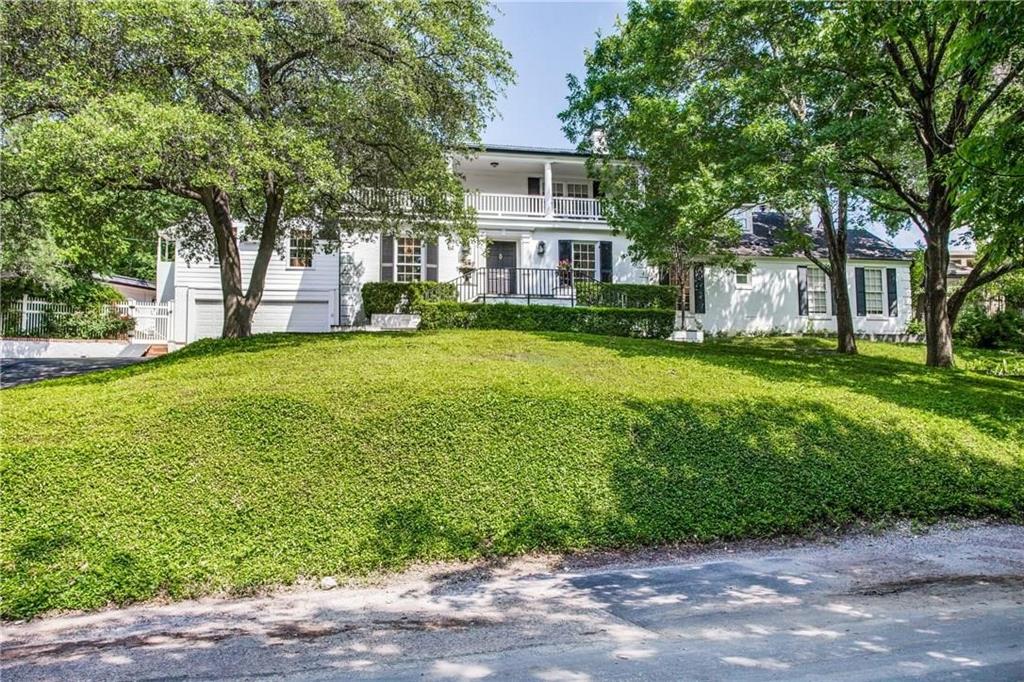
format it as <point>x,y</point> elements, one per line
<point>766,237</point>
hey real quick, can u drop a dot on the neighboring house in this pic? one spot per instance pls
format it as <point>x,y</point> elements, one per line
<point>539,219</point>
<point>131,288</point>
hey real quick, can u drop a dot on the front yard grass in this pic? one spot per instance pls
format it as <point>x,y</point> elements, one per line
<point>232,465</point>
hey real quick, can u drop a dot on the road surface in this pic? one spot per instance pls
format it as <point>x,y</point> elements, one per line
<point>943,605</point>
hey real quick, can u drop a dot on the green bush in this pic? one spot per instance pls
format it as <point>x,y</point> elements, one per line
<point>93,322</point>
<point>399,297</point>
<point>638,323</point>
<point>1003,330</point>
<point>625,295</point>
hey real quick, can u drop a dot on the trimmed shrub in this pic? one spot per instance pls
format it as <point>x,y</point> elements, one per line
<point>626,295</point>
<point>643,323</point>
<point>399,297</point>
<point>1003,330</point>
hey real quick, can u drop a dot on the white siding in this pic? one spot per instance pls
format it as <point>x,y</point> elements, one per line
<point>280,276</point>
<point>771,302</point>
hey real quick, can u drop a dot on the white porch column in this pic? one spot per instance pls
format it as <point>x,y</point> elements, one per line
<point>549,205</point>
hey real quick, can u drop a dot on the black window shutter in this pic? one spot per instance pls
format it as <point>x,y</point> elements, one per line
<point>663,275</point>
<point>533,186</point>
<point>387,258</point>
<point>565,250</point>
<point>606,261</point>
<point>862,305</point>
<point>801,286</point>
<point>890,285</point>
<point>432,261</point>
<point>698,289</point>
<point>597,189</point>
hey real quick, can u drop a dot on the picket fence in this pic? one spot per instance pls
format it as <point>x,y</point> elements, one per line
<point>35,318</point>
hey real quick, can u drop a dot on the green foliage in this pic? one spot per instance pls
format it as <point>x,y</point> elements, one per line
<point>1001,330</point>
<point>604,295</point>
<point>645,323</point>
<point>281,112</point>
<point>402,297</point>
<point>284,456</point>
<point>92,321</point>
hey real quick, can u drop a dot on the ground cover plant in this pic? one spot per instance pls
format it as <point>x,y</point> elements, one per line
<point>240,463</point>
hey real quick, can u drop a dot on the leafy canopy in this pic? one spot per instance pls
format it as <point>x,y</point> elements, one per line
<point>282,106</point>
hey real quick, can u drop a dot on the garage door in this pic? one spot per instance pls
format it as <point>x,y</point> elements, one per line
<point>271,316</point>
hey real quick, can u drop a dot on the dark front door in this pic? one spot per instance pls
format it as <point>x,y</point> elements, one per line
<point>501,268</point>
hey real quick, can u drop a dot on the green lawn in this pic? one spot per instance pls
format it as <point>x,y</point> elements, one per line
<point>231,465</point>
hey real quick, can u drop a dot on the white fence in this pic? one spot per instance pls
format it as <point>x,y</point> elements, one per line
<point>132,320</point>
<point>152,320</point>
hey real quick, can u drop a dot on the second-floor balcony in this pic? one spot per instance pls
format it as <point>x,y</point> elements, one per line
<point>533,206</point>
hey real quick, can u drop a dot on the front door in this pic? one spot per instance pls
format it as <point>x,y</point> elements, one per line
<point>501,268</point>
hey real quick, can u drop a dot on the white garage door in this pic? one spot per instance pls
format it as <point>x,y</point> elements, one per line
<point>271,316</point>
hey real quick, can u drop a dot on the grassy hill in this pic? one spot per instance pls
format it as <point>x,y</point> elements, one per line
<point>231,465</point>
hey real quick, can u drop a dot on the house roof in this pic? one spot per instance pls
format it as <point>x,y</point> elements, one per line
<point>767,236</point>
<point>126,281</point>
<point>547,151</point>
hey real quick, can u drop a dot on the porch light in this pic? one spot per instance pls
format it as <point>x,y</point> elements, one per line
<point>494,164</point>
<point>541,248</point>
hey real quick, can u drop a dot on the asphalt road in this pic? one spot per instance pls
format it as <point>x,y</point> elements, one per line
<point>945,605</point>
<point>24,371</point>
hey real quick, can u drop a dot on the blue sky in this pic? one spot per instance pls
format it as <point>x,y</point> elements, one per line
<point>547,40</point>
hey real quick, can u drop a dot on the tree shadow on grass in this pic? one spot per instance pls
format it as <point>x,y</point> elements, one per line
<point>994,405</point>
<point>731,469</point>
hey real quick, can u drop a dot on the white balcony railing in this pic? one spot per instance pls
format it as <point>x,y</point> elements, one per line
<point>492,204</point>
<point>569,207</point>
<point>535,206</point>
<point>506,204</point>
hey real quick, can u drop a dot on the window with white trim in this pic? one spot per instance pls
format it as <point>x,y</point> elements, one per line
<point>408,259</point>
<point>300,249</point>
<point>874,291</point>
<point>817,292</point>
<point>572,190</point>
<point>584,260</point>
<point>743,278</point>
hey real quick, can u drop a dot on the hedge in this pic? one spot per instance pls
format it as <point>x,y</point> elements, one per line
<point>398,297</point>
<point>626,295</point>
<point>635,322</point>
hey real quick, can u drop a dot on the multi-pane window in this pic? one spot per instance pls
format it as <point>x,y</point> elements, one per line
<point>573,190</point>
<point>300,249</point>
<point>873,291</point>
<point>408,259</point>
<point>584,260</point>
<point>817,292</point>
<point>576,190</point>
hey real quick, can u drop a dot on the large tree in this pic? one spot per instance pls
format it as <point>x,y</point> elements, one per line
<point>265,115</point>
<point>936,103</point>
<point>718,97</point>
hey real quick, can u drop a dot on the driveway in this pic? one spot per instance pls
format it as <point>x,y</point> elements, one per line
<point>935,606</point>
<point>24,371</point>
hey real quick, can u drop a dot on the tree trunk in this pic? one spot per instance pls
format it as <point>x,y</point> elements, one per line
<point>237,311</point>
<point>679,274</point>
<point>835,237</point>
<point>938,326</point>
<point>847,340</point>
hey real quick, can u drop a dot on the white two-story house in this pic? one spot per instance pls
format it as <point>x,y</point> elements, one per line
<point>540,230</point>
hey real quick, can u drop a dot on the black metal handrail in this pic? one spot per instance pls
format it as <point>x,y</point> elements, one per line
<point>551,284</point>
